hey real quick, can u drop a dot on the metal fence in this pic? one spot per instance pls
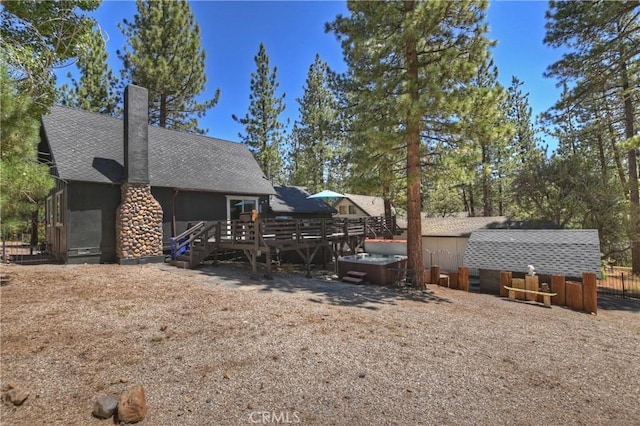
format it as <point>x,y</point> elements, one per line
<point>22,253</point>
<point>619,282</point>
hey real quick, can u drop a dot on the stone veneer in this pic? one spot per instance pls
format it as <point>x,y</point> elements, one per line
<point>138,223</point>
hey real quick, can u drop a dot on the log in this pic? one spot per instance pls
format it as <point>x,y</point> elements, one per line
<point>531,283</point>
<point>590,292</point>
<point>435,274</point>
<point>519,283</point>
<point>558,286</point>
<point>505,279</point>
<point>453,280</point>
<point>463,278</point>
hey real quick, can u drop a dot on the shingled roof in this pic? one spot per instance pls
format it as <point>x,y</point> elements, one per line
<point>373,206</point>
<point>562,252</point>
<point>458,226</point>
<point>293,199</point>
<point>89,147</point>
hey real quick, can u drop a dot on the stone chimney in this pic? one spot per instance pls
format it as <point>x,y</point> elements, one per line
<point>139,216</point>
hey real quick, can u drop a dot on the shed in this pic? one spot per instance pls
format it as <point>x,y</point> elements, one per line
<point>354,205</point>
<point>551,251</point>
<point>444,239</point>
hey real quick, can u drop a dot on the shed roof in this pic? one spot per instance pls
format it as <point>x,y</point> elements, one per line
<point>458,226</point>
<point>293,199</point>
<point>550,251</point>
<point>89,147</point>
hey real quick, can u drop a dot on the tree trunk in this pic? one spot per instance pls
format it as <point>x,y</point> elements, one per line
<point>163,110</point>
<point>414,172</point>
<point>486,208</point>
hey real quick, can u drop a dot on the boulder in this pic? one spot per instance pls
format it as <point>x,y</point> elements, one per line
<point>132,406</point>
<point>16,396</point>
<point>105,406</point>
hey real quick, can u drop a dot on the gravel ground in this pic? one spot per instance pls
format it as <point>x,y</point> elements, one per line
<point>212,347</point>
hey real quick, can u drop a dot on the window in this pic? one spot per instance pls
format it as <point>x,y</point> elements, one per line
<point>49,211</point>
<point>342,209</point>
<point>59,209</point>
<point>236,205</point>
<point>352,210</point>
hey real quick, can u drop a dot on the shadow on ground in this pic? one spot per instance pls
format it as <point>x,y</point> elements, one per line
<point>617,303</point>
<point>323,287</point>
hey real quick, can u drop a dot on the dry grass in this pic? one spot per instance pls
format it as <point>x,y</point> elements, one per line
<point>213,347</point>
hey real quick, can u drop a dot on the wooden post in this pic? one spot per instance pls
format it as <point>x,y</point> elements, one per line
<point>531,283</point>
<point>590,292</point>
<point>435,274</point>
<point>558,286</point>
<point>463,278</point>
<point>518,283</point>
<point>453,280</point>
<point>505,279</point>
<point>574,295</point>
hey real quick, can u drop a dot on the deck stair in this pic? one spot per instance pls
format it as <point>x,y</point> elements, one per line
<point>355,277</point>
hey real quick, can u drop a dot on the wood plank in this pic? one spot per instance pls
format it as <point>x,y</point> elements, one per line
<point>590,292</point>
<point>352,280</point>
<point>357,274</point>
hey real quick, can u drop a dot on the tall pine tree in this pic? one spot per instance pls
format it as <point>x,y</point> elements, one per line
<point>264,132</point>
<point>164,55</point>
<point>408,59</point>
<point>603,40</point>
<point>19,134</point>
<point>37,37</point>
<point>96,89</point>
<point>317,133</point>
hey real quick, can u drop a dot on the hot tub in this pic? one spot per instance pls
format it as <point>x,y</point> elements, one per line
<point>381,269</point>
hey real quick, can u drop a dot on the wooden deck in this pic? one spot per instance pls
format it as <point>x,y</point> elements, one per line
<point>268,236</point>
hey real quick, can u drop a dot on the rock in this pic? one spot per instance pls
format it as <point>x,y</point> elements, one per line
<point>132,407</point>
<point>16,396</point>
<point>105,406</point>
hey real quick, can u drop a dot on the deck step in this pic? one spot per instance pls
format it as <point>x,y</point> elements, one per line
<point>352,280</point>
<point>180,264</point>
<point>357,274</point>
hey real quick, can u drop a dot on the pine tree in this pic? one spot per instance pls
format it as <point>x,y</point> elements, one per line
<point>316,134</point>
<point>487,128</point>
<point>19,136</point>
<point>264,133</point>
<point>38,36</point>
<point>603,39</point>
<point>96,89</point>
<point>164,55</point>
<point>408,60</point>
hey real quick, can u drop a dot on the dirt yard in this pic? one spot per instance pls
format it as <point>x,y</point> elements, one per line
<point>212,347</point>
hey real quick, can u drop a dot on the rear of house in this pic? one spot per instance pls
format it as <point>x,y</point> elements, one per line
<point>96,160</point>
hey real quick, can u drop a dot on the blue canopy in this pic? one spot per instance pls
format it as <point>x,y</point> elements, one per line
<point>327,194</point>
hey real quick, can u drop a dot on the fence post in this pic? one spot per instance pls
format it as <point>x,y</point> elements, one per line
<point>590,289</point>
<point>505,279</point>
<point>622,279</point>
<point>463,278</point>
<point>558,286</point>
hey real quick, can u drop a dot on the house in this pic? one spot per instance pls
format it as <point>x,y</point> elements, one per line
<point>550,251</point>
<point>125,187</point>
<point>353,205</point>
<point>293,202</point>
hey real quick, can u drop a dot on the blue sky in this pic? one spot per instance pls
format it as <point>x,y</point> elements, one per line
<point>293,32</point>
